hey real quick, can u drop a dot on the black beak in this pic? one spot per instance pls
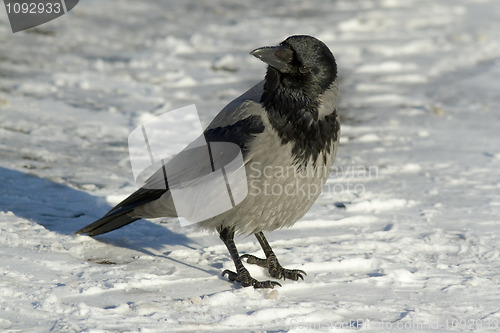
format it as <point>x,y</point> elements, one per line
<point>279,57</point>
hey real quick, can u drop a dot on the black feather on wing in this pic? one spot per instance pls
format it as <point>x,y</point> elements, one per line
<point>239,133</point>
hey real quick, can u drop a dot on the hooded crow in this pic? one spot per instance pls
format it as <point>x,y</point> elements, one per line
<point>288,129</point>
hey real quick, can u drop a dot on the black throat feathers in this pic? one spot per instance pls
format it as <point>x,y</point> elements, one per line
<point>293,113</point>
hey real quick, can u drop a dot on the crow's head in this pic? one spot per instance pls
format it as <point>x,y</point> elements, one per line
<point>299,63</point>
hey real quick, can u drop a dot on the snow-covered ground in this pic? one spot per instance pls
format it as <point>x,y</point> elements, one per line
<point>405,236</point>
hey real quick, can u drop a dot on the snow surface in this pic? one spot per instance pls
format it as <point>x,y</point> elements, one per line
<point>405,236</point>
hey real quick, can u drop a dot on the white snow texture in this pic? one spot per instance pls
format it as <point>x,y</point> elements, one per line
<point>403,238</point>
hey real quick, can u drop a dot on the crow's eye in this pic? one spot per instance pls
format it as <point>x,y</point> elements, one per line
<point>303,69</point>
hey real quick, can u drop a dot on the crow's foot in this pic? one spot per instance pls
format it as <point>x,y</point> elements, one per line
<point>244,278</point>
<point>274,267</point>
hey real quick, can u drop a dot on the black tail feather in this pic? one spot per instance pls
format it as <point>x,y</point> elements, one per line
<point>107,223</point>
<point>118,216</point>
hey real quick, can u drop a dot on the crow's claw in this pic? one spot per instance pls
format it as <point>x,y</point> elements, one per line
<point>251,259</point>
<point>274,267</point>
<point>246,280</point>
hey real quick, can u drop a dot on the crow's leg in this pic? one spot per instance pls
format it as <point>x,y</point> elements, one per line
<point>271,262</point>
<point>242,275</point>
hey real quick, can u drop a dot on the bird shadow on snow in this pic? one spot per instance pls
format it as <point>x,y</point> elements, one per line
<point>64,210</point>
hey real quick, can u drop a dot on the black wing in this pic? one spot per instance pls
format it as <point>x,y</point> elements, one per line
<point>237,123</point>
